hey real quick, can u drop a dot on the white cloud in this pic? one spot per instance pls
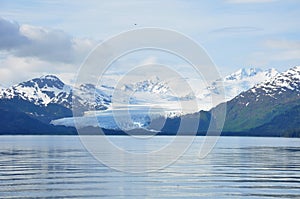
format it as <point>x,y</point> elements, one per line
<point>51,45</point>
<point>30,51</point>
<point>15,69</point>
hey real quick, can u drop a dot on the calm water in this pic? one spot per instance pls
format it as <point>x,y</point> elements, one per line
<point>59,166</point>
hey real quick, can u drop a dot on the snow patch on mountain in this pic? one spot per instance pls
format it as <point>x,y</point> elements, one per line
<point>282,88</point>
<point>40,91</point>
<point>152,85</point>
<point>50,89</point>
<point>288,80</point>
<point>243,73</point>
<point>233,85</point>
<point>91,97</point>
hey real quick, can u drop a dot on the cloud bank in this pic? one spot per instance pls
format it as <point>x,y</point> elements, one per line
<point>27,51</point>
<point>46,44</point>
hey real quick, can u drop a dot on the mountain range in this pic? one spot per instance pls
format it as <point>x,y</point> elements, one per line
<point>258,103</point>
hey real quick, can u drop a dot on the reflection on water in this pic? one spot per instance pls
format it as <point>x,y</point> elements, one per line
<point>58,166</point>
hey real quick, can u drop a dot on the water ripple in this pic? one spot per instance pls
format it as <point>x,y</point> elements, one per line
<point>59,167</point>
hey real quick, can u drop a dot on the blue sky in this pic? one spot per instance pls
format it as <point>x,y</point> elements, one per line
<point>235,33</point>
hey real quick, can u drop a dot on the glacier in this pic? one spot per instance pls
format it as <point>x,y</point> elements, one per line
<point>121,118</point>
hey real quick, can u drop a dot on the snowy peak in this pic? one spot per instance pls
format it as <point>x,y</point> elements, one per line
<point>90,97</point>
<point>288,80</point>
<point>234,84</point>
<point>243,73</point>
<point>251,73</point>
<point>270,73</point>
<point>50,89</point>
<point>152,85</point>
<point>40,91</point>
<point>48,81</point>
<point>282,88</point>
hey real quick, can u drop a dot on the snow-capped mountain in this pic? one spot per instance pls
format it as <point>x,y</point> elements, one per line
<point>285,82</point>
<point>87,95</point>
<point>243,73</point>
<point>265,101</point>
<point>152,91</point>
<point>40,91</point>
<point>244,79</point>
<point>281,88</point>
<point>284,87</point>
<point>152,85</point>
<point>50,89</point>
<point>233,85</point>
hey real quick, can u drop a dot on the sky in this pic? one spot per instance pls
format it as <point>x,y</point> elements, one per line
<point>55,36</point>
